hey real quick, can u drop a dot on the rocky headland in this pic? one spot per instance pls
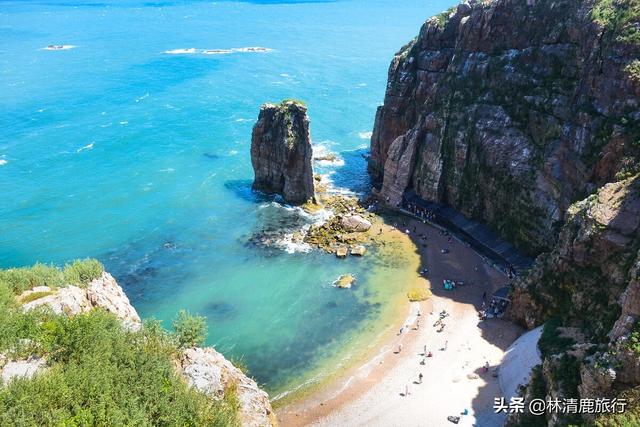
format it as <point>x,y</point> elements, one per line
<point>525,115</point>
<point>510,111</point>
<point>281,152</point>
<point>204,369</point>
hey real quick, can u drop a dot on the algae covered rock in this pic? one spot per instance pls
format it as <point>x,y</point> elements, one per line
<point>344,282</point>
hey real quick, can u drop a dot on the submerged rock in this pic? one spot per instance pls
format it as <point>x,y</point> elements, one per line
<point>209,372</point>
<point>344,282</point>
<point>281,152</point>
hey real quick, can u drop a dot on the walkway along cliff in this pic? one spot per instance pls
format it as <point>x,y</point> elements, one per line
<point>525,115</point>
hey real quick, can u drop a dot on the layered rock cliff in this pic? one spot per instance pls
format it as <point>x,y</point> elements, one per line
<point>589,286</point>
<point>281,152</point>
<point>510,111</point>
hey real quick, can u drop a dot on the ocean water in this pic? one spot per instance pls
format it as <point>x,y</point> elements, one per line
<point>130,147</point>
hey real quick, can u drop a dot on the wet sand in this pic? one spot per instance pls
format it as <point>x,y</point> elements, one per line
<point>373,393</point>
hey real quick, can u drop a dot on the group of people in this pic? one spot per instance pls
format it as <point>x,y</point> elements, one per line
<point>496,308</point>
<point>418,211</point>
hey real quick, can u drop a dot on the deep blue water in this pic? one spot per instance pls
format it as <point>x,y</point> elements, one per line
<point>116,150</point>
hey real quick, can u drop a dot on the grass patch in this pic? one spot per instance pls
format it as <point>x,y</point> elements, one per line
<point>79,273</point>
<point>621,17</point>
<point>34,296</point>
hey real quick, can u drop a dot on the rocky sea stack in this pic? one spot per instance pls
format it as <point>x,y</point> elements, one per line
<point>281,152</point>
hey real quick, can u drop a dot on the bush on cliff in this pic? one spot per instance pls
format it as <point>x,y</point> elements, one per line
<point>79,273</point>
<point>190,330</point>
<point>99,373</point>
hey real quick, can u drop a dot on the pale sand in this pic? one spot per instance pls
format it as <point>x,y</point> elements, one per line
<point>373,394</point>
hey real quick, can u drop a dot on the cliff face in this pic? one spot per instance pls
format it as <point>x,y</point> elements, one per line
<point>590,285</point>
<point>590,267</point>
<point>281,152</point>
<point>509,111</point>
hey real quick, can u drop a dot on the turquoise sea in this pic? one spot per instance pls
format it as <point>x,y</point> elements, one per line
<point>115,149</point>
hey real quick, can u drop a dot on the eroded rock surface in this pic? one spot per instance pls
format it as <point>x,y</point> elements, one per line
<point>102,292</point>
<point>208,371</point>
<point>281,152</point>
<point>509,111</point>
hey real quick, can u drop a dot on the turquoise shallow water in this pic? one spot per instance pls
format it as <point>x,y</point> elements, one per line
<point>116,150</point>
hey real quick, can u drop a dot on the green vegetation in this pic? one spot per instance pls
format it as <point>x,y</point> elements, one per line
<point>79,273</point>
<point>537,390</point>
<point>550,341</point>
<point>34,296</point>
<point>190,331</point>
<point>621,17</point>
<point>634,340</point>
<point>631,416</point>
<point>633,69</point>
<point>98,373</point>
<point>443,17</point>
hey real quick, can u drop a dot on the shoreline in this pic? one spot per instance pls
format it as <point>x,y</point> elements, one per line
<point>369,384</point>
<point>365,344</point>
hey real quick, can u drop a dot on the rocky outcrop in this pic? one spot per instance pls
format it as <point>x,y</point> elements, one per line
<point>102,292</point>
<point>22,368</point>
<point>203,368</point>
<point>281,152</point>
<point>589,283</point>
<point>209,372</point>
<point>592,268</point>
<point>509,111</point>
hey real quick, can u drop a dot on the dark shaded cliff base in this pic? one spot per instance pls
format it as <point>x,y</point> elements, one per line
<point>281,152</point>
<point>511,110</point>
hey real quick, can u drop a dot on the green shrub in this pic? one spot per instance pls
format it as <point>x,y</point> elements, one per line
<point>82,272</point>
<point>621,17</point>
<point>550,341</point>
<point>79,272</point>
<point>102,374</point>
<point>190,331</point>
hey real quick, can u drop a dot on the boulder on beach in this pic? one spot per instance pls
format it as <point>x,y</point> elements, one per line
<point>345,281</point>
<point>341,252</point>
<point>355,223</point>
<point>358,250</point>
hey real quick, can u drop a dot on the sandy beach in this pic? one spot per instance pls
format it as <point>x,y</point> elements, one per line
<point>373,393</point>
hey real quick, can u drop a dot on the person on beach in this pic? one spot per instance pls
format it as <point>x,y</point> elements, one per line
<point>420,378</point>
<point>424,351</point>
<point>399,348</point>
<point>486,366</point>
<point>406,390</point>
<point>401,331</point>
